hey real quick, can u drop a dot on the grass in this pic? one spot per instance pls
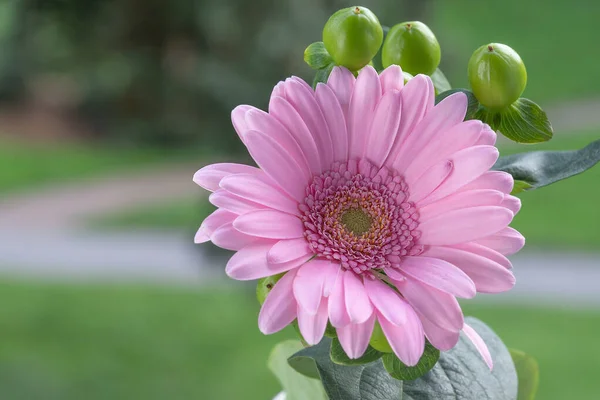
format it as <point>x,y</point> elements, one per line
<point>564,215</point>
<point>555,40</point>
<point>119,342</point>
<point>28,164</point>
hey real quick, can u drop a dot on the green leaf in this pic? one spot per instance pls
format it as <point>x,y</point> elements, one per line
<point>364,382</point>
<point>520,186</point>
<point>541,168</point>
<point>460,374</point>
<point>295,385</point>
<point>339,356</point>
<point>397,369</point>
<point>322,75</point>
<point>473,103</point>
<point>316,56</point>
<point>528,374</point>
<point>440,82</point>
<point>523,122</point>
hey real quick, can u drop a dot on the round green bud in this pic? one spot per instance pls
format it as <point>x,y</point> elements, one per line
<point>497,76</point>
<point>264,286</point>
<point>413,47</point>
<point>352,36</point>
<point>407,77</point>
<point>378,340</point>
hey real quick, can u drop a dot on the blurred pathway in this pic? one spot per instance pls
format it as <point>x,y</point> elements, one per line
<point>41,234</point>
<point>574,115</point>
<point>64,206</point>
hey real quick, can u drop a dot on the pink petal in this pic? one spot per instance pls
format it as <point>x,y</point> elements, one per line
<point>277,163</point>
<point>211,223</point>
<point>278,90</point>
<point>305,104</point>
<point>512,203</point>
<point>365,96</point>
<point>287,115</point>
<point>442,146</point>
<point>238,205</point>
<point>464,225</point>
<point>270,224</point>
<point>287,250</point>
<point>479,345</point>
<point>333,275</point>
<point>255,189</point>
<point>440,274</point>
<point>446,114</point>
<point>440,338</point>
<point>417,99</point>
<point>391,79</point>
<point>386,301</point>
<point>460,200</point>
<point>488,137</point>
<point>496,180</point>
<point>358,304</point>
<point>279,308</point>
<point>508,241</point>
<point>354,338</point>
<point>486,252</point>
<point>309,286</point>
<point>239,121</point>
<point>251,263</point>
<point>315,280</point>
<point>227,237</point>
<point>336,121</point>
<point>469,164</point>
<point>430,180</point>
<point>384,128</point>
<point>209,177</point>
<point>342,81</point>
<point>302,82</point>
<point>312,326</point>
<point>260,121</point>
<point>439,307</point>
<point>488,276</point>
<point>407,340</point>
<point>338,315</point>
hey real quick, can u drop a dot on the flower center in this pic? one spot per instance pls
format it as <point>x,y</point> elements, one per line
<point>356,221</point>
<point>360,216</point>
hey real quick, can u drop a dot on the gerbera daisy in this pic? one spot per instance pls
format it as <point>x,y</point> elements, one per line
<point>377,205</point>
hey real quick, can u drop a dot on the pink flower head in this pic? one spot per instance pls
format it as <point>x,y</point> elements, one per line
<point>378,205</point>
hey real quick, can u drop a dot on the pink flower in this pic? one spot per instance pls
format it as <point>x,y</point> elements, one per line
<point>378,205</point>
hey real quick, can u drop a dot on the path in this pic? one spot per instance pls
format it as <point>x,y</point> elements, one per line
<point>41,236</point>
<point>65,206</point>
<point>574,115</point>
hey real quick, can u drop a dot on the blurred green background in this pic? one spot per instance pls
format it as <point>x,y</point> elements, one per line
<point>98,89</point>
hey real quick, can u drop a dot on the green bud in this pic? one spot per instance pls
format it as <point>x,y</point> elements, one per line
<point>413,47</point>
<point>352,36</point>
<point>264,286</point>
<point>497,76</point>
<point>378,340</point>
<point>407,76</point>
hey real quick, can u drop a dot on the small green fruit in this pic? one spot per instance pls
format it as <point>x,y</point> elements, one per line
<point>264,286</point>
<point>352,36</point>
<point>497,76</point>
<point>378,340</point>
<point>413,47</point>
